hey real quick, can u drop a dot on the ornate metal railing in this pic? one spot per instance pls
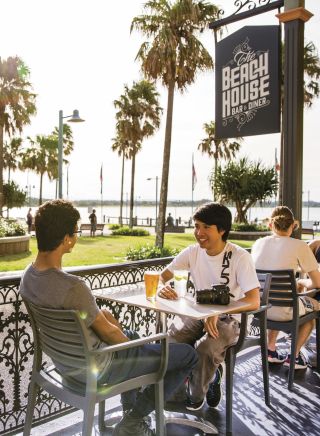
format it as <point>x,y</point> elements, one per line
<point>16,341</point>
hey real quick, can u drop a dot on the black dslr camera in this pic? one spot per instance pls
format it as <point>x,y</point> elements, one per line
<point>218,294</point>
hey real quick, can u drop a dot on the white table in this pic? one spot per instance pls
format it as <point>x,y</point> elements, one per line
<point>134,295</point>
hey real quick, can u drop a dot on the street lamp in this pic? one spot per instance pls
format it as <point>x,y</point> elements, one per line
<point>74,118</point>
<point>156,179</point>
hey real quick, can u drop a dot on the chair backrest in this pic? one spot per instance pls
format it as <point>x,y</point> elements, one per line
<point>265,283</point>
<point>283,289</point>
<point>61,334</point>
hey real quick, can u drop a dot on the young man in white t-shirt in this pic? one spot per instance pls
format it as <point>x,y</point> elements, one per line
<point>212,260</point>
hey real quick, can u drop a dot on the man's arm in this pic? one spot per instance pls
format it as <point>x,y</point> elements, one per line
<point>107,331</point>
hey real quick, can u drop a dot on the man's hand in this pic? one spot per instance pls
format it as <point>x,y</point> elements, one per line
<point>210,326</point>
<point>168,293</point>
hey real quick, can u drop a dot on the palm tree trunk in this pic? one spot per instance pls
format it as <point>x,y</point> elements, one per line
<point>132,189</point>
<point>1,169</point>
<point>121,195</point>
<point>40,192</point>
<point>165,169</point>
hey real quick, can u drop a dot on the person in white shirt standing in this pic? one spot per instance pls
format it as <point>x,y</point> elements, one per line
<point>212,260</point>
<point>280,251</point>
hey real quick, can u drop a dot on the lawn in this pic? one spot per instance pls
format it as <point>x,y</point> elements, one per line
<point>100,250</point>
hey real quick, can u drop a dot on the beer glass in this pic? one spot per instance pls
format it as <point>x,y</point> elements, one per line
<point>151,280</point>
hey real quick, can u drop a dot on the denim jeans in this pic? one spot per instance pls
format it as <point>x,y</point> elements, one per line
<point>146,359</point>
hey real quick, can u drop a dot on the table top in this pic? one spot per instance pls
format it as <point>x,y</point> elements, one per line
<point>182,307</point>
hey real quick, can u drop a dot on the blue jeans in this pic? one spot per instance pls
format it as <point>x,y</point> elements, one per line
<point>146,359</point>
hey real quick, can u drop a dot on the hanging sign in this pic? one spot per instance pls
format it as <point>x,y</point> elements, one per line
<point>248,82</point>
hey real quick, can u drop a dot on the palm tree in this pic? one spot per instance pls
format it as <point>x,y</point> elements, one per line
<point>218,148</point>
<point>122,147</point>
<point>41,157</point>
<point>11,155</point>
<point>17,103</point>
<point>174,55</point>
<point>137,118</point>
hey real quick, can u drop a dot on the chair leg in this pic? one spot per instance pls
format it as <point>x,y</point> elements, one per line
<point>101,422</point>
<point>159,409</point>
<point>88,416</point>
<point>230,363</point>
<point>294,338</point>
<point>33,392</point>
<point>318,343</point>
<point>264,360</point>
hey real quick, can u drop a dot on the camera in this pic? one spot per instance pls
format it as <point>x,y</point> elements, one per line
<point>218,294</point>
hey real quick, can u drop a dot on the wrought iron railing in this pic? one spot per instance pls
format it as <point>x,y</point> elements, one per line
<point>16,341</point>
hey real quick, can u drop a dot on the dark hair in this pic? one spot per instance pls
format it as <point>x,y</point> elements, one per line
<point>53,221</point>
<point>282,218</point>
<point>215,214</point>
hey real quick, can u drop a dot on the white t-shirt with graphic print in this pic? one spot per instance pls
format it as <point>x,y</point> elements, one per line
<point>233,267</point>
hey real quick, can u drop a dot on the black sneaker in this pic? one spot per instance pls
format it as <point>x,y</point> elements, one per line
<point>214,394</point>
<point>300,361</point>
<point>194,405</point>
<point>275,357</point>
<point>130,425</point>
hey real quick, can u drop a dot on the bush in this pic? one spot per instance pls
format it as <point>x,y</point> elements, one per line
<point>243,227</point>
<point>126,231</point>
<point>11,228</point>
<point>150,252</point>
<point>114,226</point>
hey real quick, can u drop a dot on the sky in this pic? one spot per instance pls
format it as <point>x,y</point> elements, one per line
<point>81,54</point>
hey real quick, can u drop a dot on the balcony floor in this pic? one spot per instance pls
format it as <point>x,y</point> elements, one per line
<point>291,414</point>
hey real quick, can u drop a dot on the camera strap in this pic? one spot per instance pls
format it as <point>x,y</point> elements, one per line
<point>225,273</point>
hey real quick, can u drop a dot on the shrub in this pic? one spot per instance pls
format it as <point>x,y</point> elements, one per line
<point>243,227</point>
<point>11,228</point>
<point>114,226</point>
<point>150,252</point>
<point>126,231</point>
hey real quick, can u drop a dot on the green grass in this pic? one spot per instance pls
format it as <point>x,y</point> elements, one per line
<point>100,250</point>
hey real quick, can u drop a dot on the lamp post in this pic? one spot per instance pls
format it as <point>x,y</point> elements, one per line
<point>156,179</point>
<point>74,118</point>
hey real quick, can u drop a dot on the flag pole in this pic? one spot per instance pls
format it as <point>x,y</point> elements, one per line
<point>192,184</point>
<point>101,192</point>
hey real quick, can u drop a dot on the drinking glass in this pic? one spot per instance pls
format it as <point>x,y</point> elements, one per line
<point>151,280</point>
<point>180,277</point>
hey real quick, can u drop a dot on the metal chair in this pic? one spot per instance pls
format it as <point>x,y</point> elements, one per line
<point>283,293</point>
<point>63,336</point>
<point>246,341</point>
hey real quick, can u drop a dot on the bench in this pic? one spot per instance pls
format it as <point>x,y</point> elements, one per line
<point>305,231</point>
<point>174,229</point>
<point>87,227</point>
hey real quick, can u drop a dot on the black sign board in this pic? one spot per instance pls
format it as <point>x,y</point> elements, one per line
<point>248,82</point>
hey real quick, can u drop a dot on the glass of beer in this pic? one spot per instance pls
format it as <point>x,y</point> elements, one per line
<point>151,280</point>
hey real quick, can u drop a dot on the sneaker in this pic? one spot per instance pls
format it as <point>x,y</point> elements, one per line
<point>275,357</point>
<point>194,405</point>
<point>214,394</point>
<point>130,425</point>
<point>300,361</point>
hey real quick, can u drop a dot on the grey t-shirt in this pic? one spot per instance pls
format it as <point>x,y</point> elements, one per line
<point>56,289</point>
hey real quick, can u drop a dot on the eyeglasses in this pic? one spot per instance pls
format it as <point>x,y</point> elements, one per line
<point>77,232</point>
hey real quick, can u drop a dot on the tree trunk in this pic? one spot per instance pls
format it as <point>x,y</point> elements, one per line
<point>121,195</point>
<point>1,170</point>
<point>214,177</point>
<point>165,169</point>
<point>133,165</point>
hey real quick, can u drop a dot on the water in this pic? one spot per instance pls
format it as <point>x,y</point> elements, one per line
<point>185,213</point>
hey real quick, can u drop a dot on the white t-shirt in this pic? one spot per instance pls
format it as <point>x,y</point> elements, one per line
<point>233,267</point>
<point>283,252</point>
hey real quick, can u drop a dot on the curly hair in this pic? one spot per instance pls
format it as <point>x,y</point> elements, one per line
<point>215,214</point>
<point>53,221</point>
<point>282,218</point>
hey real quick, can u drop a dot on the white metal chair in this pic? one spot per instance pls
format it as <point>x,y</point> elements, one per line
<point>62,335</point>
